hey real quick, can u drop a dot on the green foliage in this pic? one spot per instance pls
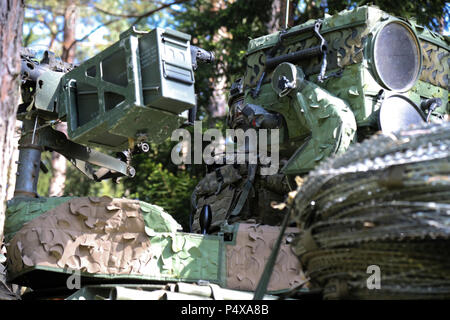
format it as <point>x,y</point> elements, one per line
<point>97,19</point>
<point>44,178</point>
<point>158,181</point>
<point>77,184</point>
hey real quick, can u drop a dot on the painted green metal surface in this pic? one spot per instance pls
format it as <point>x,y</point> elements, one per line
<point>134,89</point>
<point>327,117</point>
<point>346,18</point>
<point>47,90</point>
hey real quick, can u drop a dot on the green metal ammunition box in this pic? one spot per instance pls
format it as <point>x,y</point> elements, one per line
<point>167,75</point>
<point>129,90</point>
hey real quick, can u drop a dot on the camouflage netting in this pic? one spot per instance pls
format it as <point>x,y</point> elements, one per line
<point>108,238</point>
<point>111,240</point>
<point>248,255</point>
<point>434,68</point>
<point>386,202</point>
<point>21,212</point>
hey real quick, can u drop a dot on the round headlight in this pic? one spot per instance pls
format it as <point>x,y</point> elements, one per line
<point>397,56</point>
<point>398,112</point>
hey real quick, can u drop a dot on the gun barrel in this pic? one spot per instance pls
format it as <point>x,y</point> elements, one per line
<point>201,55</point>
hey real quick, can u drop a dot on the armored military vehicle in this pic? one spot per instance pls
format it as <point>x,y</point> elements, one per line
<point>324,85</point>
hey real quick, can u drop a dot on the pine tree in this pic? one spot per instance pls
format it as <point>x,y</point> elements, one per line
<point>11,18</point>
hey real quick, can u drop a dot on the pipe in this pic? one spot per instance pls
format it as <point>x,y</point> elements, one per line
<point>295,56</point>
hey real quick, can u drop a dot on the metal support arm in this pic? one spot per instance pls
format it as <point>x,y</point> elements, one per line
<point>83,157</point>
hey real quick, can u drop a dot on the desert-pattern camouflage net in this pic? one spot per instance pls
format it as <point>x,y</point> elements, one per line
<point>105,236</point>
<point>108,238</point>
<point>20,212</point>
<point>247,257</point>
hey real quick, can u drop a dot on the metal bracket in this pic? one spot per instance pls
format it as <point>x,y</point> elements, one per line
<point>323,49</point>
<point>336,74</point>
<point>255,92</point>
<point>83,157</point>
<point>307,53</point>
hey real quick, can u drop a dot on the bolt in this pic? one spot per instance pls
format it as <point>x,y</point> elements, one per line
<point>131,171</point>
<point>144,147</point>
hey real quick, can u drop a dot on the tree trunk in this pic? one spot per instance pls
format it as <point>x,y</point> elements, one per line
<point>441,25</point>
<point>59,163</point>
<point>14,160</point>
<point>11,20</point>
<point>278,16</point>
<point>59,168</point>
<point>275,18</point>
<point>218,103</point>
<point>69,37</point>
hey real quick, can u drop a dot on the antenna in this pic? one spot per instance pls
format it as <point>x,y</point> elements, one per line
<point>286,20</point>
